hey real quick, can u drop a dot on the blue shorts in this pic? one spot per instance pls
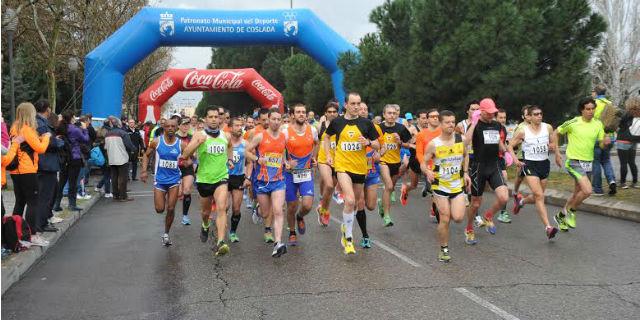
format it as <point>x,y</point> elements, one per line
<point>164,187</point>
<point>404,152</point>
<point>254,176</point>
<point>264,187</point>
<point>305,189</point>
<point>372,180</point>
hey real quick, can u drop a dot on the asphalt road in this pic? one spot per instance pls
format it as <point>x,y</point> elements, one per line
<point>111,265</point>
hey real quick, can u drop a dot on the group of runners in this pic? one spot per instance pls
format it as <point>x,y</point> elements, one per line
<point>275,164</point>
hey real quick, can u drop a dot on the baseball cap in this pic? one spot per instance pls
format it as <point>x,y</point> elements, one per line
<point>185,120</point>
<point>408,116</point>
<point>487,105</point>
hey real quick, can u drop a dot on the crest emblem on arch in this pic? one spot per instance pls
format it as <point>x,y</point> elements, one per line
<point>167,26</point>
<point>290,24</point>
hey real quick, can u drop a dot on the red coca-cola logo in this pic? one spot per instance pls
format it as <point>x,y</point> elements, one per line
<point>266,92</point>
<point>226,80</point>
<point>160,90</point>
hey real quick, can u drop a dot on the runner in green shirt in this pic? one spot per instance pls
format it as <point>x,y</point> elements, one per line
<point>582,133</point>
<point>215,156</point>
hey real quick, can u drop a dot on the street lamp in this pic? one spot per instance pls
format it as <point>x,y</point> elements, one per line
<point>73,66</point>
<point>11,16</point>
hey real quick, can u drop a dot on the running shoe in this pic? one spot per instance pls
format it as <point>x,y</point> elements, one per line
<point>504,216</point>
<point>561,221</point>
<point>233,237</point>
<point>204,234</point>
<point>424,191</point>
<point>301,226</point>
<point>186,220</point>
<point>165,240</point>
<point>293,240</point>
<point>343,237</point>
<point>404,195</point>
<point>478,222</point>
<point>571,219</point>
<point>108,195</point>
<point>518,203</point>
<point>268,237</point>
<point>612,189</point>
<point>323,216</point>
<point>255,215</point>
<point>337,197</point>
<point>393,196</point>
<point>387,221</point>
<point>278,250</point>
<point>551,232</point>
<point>365,242</point>
<point>223,248</point>
<point>489,226</point>
<point>249,204</point>
<point>349,248</point>
<point>470,237</point>
<point>443,255</point>
<point>380,208</point>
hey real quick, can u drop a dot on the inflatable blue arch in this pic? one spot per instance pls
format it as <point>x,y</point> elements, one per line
<point>106,65</point>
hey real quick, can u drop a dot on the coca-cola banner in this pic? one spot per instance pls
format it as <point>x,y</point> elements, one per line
<point>218,80</point>
<point>105,66</point>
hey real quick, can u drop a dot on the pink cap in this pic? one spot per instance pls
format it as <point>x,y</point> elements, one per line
<point>487,105</point>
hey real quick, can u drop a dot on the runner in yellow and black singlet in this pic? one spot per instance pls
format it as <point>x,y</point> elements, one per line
<point>353,134</point>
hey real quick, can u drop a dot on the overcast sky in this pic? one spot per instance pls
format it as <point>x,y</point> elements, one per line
<point>348,18</point>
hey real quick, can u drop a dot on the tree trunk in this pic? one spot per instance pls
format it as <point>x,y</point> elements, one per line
<point>51,65</point>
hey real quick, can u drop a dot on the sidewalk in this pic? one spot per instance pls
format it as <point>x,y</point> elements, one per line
<point>17,264</point>
<point>605,205</point>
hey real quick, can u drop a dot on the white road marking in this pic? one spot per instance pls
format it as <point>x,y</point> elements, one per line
<point>493,308</point>
<point>389,249</point>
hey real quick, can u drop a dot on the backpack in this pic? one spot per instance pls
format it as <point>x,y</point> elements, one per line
<point>14,229</point>
<point>610,117</point>
<point>24,147</point>
<point>634,129</point>
<point>96,158</point>
<point>65,152</point>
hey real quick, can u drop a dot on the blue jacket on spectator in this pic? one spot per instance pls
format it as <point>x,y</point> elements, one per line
<point>50,160</point>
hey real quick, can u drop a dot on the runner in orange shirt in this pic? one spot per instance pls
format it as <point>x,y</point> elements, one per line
<point>430,132</point>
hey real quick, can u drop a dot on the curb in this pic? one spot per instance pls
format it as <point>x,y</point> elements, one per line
<point>605,206</point>
<point>17,265</point>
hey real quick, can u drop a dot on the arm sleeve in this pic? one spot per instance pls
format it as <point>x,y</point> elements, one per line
<point>31,137</point>
<point>565,127</point>
<point>7,158</point>
<point>405,135</point>
<point>372,133</point>
<point>127,142</point>
<point>331,129</point>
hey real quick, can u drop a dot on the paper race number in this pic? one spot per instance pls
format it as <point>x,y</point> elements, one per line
<point>301,176</point>
<point>168,164</point>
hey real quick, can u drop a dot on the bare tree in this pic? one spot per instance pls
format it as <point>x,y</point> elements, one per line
<point>55,30</point>
<point>617,63</point>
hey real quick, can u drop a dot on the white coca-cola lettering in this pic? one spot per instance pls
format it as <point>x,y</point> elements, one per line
<point>266,92</point>
<point>226,80</point>
<point>160,90</point>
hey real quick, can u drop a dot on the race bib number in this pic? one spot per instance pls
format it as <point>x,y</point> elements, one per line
<point>236,157</point>
<point>301,176</point>
<point>351,146</point>
<point>448,171</point>
<point>332,145</point>
<point>168,164</point>
<point>539,149</point>
<point>586,165</point>
<point>491,136</point>
<point>273,160</point>
<point>217,149</point>
<point>391,146</point>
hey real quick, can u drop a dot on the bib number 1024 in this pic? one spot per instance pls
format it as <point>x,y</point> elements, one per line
<point>351,146</point>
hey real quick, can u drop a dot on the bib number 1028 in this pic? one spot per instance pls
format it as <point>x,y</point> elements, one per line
<point>351,146</point>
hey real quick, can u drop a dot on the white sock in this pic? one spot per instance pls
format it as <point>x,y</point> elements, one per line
<point>347,219</point>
